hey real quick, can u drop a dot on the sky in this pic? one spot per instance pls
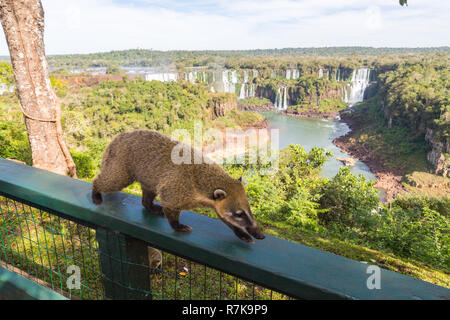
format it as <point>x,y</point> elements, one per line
<point>86,26</point>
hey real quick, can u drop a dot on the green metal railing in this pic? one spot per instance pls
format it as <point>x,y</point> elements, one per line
<point>49,228</point>
<point>14,286</point>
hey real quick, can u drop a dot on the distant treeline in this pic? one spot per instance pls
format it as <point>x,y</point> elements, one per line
<point>181,58</point>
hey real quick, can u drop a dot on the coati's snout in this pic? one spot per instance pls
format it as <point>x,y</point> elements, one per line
<point>233,209</point>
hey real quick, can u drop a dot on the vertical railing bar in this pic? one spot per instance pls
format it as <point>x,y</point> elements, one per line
<point>64,251</point>
<point>72,227</point>
<point>110,263</point>
<point>123,276</point>
<point>56,250</point>
<point>163,277</point>
<point>46,248</point>
<point>1,235</point>
<point>220,285</point>
<point>190,280</point>
<point>27,266</point>
<point>204,282</point>
<point>7,237</point>
<point>89,230</point>
<point>37,240</point>
<point>12,231</point>
<point>77,227</point>
<point>31,244</point>
<point>176,277</point>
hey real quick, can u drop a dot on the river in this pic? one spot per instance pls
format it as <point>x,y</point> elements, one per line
<point>309,132</point>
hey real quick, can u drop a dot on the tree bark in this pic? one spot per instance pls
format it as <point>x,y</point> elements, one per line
<point>23,24</point>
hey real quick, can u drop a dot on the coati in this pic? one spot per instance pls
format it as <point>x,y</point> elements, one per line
<point>145,156</point>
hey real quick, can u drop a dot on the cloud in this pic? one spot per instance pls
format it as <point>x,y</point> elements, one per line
<point>82,26</point>
<point>374,20</point>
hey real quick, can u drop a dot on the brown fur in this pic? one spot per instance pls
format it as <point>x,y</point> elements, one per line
<point>145,157</point>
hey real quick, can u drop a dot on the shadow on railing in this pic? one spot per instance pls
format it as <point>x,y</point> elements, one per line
<point>52,233</point>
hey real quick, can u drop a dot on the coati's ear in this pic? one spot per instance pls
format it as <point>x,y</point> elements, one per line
<point>240,179</point>
<point>219,194</point>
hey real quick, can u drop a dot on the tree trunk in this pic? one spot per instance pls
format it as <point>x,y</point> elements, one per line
<point>23,24</point>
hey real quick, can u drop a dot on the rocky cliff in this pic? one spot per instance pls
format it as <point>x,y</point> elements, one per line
<point>221,103</point>
<point>439,156</point>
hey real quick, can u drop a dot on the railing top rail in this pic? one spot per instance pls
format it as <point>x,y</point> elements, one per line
<point>14,286</point>
<point>284,266</point>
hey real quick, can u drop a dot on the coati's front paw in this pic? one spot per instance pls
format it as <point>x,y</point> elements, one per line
<point>180,227</point>
<point>153,208</point>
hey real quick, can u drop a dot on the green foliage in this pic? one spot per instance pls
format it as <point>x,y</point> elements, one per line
<point>113,70</point>
<point>349,201</point>
<point>84,163</point>
<point>60,86</point>
<point>115,107</point>
<point>14,142</point>
<point>289,195</point>
<point>396,147</point>
<point>6,73</point>
<point>258,59</point>
<point>410,227</point>
<point>254,102</point>
<point>417,97</point>
<point>13,136</point>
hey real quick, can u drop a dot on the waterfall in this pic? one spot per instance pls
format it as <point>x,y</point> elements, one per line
<point>320,76</point>
<point>337,74</point>
<point>292,74</point>
<point>360,81</point>
<point>194,75</point>
<point>345,94</point>
<point>243,92</point>
<point>247,89</point>
<point>163,76</point>
<point>245,76</point>
<point>252,91</point>
<point>277,98</point>
<point>281,98</point>
<point>229,79</point>
<point>285,99</point>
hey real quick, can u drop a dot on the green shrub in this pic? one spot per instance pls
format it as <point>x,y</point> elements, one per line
<point>349,203</point>
<point>14,141</point>
<point>85,164</point>
<point>420,234</point>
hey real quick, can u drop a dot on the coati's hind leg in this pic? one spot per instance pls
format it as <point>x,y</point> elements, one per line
<point>174,220</point>
<point>147,201</point>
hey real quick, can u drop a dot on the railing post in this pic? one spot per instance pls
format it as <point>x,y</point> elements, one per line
<point>124,265</point>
